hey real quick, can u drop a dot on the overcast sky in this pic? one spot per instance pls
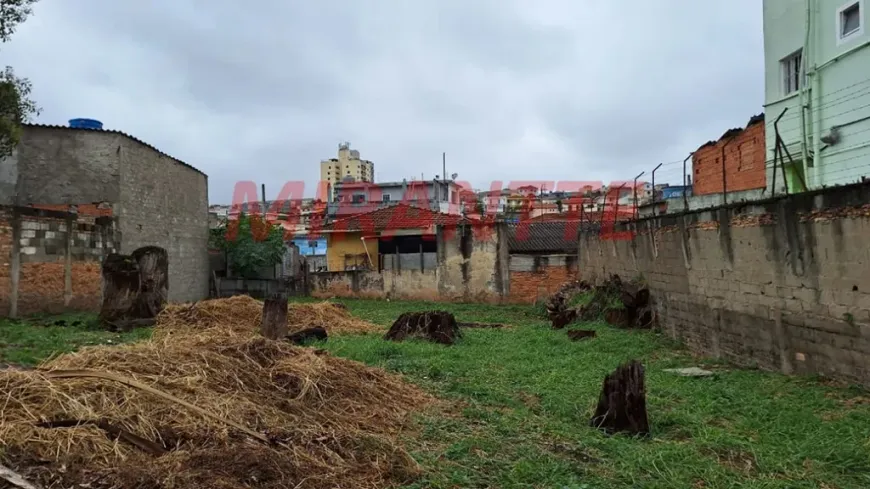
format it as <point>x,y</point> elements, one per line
<point>510,89</point>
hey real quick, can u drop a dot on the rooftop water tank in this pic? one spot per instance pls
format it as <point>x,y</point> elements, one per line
<point>85,124</point>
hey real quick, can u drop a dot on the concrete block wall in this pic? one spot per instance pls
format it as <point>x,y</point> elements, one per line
<point>472,265</point>
<point>156,199</point>
<point>51,263</point>
<point>536,277</point>
<point>165,203</point>
<point>782,284</point>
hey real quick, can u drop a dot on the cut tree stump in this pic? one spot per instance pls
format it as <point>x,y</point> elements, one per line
<point>153,264</point>
<point>120,275</point>
<point>622,403</point>
<point>317,333</point>
<point>437,326</point>
<point>274,324</point>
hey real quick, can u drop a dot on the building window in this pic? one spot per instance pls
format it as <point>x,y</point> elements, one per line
<point>850,22</point>
<point>386,198</point>
<point>791,72</point>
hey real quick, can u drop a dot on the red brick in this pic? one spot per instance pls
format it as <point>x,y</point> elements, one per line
<point>744,163</point>
<point>527,287</point>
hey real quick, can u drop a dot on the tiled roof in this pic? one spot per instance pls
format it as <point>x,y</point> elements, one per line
<point>112,131</point>
<point>399,216</point>
<point>544,237</point>
<point>562,216</point>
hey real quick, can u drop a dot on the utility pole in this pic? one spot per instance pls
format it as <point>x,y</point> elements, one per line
<point>263,191</point>
<point>444,176</point>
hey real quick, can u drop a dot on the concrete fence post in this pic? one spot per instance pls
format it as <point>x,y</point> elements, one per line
<point>15,264</point>
<point>67,265</point>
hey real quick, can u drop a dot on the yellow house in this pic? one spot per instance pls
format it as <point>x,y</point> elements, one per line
<point>376,239</point>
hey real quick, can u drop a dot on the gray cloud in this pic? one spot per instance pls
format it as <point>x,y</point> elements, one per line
<point>510,89</point>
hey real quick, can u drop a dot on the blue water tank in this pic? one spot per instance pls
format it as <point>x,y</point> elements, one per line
<point>85,124</point>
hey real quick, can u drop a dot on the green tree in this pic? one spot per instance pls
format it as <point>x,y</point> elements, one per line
<point>251,244</point>
<point>559,206</point>
<point>16,107</point>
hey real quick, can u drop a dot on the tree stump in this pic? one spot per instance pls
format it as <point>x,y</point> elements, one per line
<point>437,326</point>
<point>120,274</point>
<point>622,403</point>
<point>274,324</point>
<point>153,264</point>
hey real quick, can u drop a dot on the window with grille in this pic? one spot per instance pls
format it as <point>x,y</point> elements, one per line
<point>791,72</point>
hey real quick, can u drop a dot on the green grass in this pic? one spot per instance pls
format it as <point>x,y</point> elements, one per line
<point>519,400</point>
<point>30,341</point>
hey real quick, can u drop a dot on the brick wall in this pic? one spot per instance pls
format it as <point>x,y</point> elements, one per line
<point>155,199</point>
<point>536,277</point>
<point>744,162</point>
<point>58,260</point>
<point>6,239</point>
<point>782,284</point>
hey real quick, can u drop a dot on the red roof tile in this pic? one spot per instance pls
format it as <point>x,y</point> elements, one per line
<point>399,216</point>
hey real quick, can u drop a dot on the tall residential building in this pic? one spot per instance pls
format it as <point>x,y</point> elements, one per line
<point>817,54</point>
<point>348,164</point>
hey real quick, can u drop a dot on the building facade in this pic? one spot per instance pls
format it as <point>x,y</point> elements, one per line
<point>816,56</point>
<point>350,198</point>
<point>348,164</point>
<point>156,200</point>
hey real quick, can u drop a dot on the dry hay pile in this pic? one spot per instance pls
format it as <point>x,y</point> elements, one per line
<point>325,421</point>
<point>241,315</point>
<point>334,317</point>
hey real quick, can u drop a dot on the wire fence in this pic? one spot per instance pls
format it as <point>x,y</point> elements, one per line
<point>767,159</point>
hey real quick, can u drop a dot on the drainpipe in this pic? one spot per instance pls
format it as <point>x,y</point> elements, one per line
<point>817,118</point>
<point>805,54</point>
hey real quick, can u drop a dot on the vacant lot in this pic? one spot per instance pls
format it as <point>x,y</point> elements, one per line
<point>518,401</point>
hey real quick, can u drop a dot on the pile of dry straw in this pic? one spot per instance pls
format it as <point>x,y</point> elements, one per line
<point>322,421</point>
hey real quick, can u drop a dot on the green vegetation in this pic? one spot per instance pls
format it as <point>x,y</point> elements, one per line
<point>518,401</point>
<point>30,341</point>
<point>16,107</point>
<point>251,243</point>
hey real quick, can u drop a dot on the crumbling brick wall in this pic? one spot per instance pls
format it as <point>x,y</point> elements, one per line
<point>744,162</point>
<point>784,285</point>
<point>536,277</point>
<point>58,260</point>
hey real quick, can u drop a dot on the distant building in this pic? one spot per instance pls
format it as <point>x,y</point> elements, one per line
<point>394,237</point>
<point>351,198</point>
<point>348,164</point>
<point>819,64</point>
